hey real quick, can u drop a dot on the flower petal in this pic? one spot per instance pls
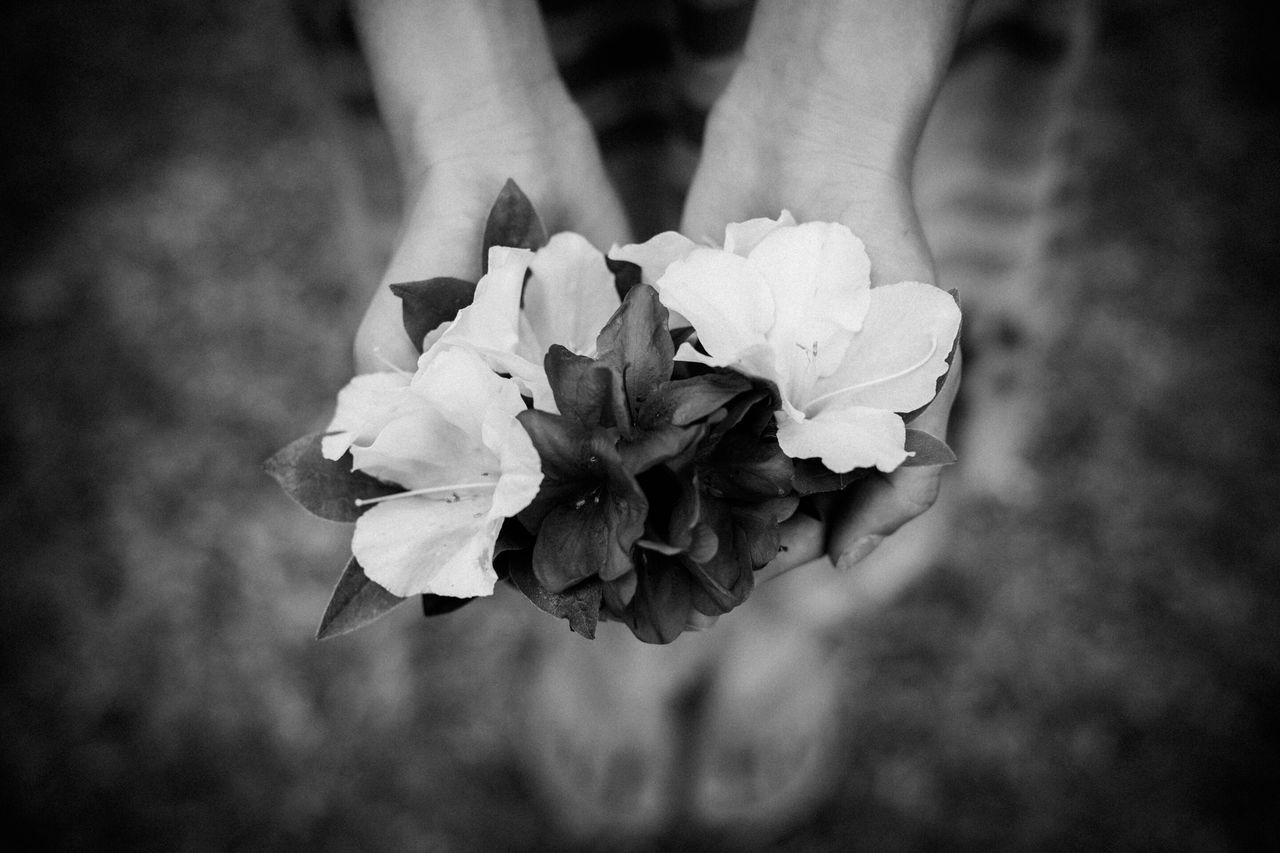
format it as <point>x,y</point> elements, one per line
<point>820,277</point>
<point>895,361</point>
<point>492,320</point>
<point>521,468</point>
<point>730,306</point>
<point>655,254</point>
<point>423,545</point>
<point>741,237</point>
<point>570,296</point>
<point>462,387</point>
<point>364,407</point>
<point>422,449</point>
<point>845,438</point>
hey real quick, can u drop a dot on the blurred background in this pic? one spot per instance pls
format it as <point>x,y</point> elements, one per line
<point>197,198</point>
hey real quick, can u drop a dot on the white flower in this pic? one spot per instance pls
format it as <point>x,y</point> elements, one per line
<point>511,324</point>
<point>794,304</point>
<point>449,436</point>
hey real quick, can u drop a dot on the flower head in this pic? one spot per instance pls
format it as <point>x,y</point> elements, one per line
<point>793,304</point>
<point>449,436</point>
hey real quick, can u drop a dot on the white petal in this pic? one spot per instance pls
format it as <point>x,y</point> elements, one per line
<point>895,361</point>
<point>655,254</point>
<point>741,237</point>
<point>364,406</point>
<point>492,319</point>
<point>521,469</point>
<point>462,387</point>
<point>845,438</point>
<point>416,545</point>
<point>730,306</point>
<point>422,450</point>
<point>820,278</point>
<point>571,294</point>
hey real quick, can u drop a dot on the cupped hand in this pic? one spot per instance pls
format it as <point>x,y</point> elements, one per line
<point>772,145</point>
<point>545,145</point>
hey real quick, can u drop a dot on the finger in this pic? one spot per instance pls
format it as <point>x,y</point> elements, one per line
<point>441,237</point>
<point>803,540</point>
<point>878,506</point>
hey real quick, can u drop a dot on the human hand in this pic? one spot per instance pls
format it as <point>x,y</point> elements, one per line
<point>471,97</point>
<point>803,129</point>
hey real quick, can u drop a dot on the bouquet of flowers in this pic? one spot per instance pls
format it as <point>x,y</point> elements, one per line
<point>620,436</point>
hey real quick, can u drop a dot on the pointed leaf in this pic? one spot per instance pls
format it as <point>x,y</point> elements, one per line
<point>424,305</point>
<point>356,601</point>
<point>512,222</point>
<point>580,606</point>
<point>927,450</point>
<point>324,487</point>
<point>626,275</point>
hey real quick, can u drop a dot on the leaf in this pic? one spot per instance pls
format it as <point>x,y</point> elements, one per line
<point>910,416</point>
<point>927,450</point>
<point>810,476</point>
<point>356,601</point>
<point>425,304</point>
<point>626,275</point>
<point>636,343</point>
<point>438,605</point>
<point>512,222</point>
<point>579,605</point>
<point>324,487</point>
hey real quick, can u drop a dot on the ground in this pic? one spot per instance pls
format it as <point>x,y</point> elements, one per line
<point>197,200</point>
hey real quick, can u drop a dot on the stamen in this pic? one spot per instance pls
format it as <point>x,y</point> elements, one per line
<point>380,356</point>
<point>434,490</point>
<point>858,387</point>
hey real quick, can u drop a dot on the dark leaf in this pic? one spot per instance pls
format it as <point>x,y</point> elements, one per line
<point>636,343</point>
<point>438,605</point>
<point>810,476</point>
<point>928,450</point>
<point>424,305</point>
<point>512,222</point>
<point>579,605</point>
<point>356,601</point>
<point>626,275</point>
<point>324,487</point>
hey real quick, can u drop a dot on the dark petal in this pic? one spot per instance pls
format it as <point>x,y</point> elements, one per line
<point>563,444</point>
<point>665,444</point>
<point>749,467</point>
<point>356,601</point>
<point>424,305</point>
<point>684,401</point>
<point>636,343</point>
<point>663,598</point>
<point>512,222</point>
<point>579,605</point>
<point>324,487</point>
<point>584,390</point>
<point>438,605</point>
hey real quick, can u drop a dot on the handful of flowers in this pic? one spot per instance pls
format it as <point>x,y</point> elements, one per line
<point>620,436</point>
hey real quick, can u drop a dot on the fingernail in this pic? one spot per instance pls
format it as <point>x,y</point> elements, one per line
<point>858,551</point>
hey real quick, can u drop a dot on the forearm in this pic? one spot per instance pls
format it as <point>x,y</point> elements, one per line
<point>879,62</point>
<point>448,75</point>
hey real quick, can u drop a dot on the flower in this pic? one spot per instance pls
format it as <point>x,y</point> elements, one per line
<point>793,304</point>
<point>450,437</point>
<point>568,296</point>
